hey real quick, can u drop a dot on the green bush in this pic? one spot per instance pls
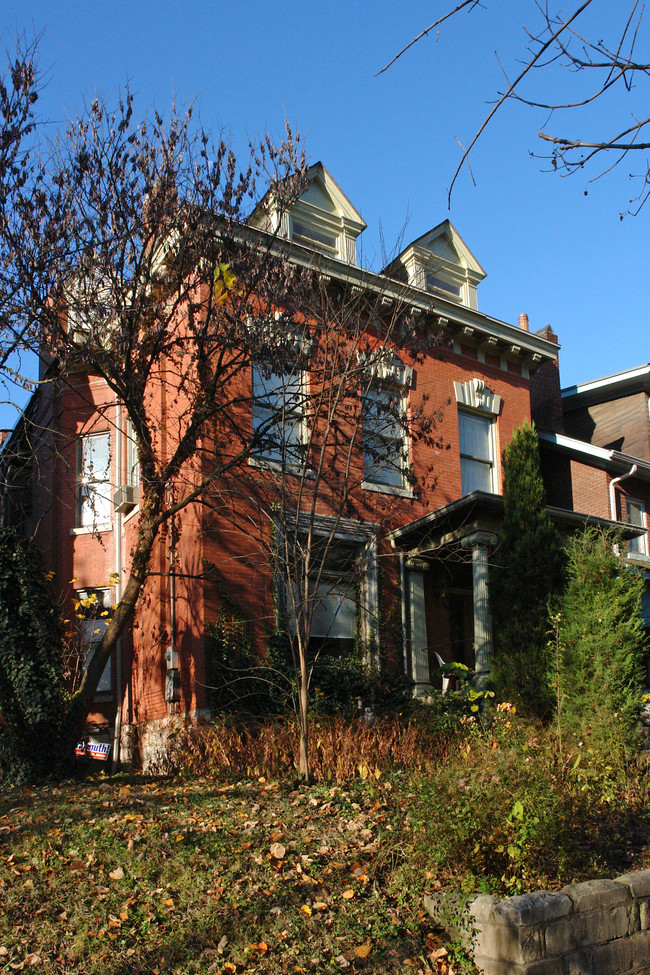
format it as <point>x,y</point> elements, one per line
<point>526,575</point>
<point>505,814</point>
<point>33,698</point>
<point>597,665</point>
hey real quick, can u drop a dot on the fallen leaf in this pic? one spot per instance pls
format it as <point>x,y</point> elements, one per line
<point>306,909</point>
<point>33,958</point>
<point>278,851</point>
<point>362,951</point>
<point>76,866</point>
<point>347,894</point>
<point>116,874</point>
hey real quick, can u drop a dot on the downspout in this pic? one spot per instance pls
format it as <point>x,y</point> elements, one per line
<point>117,731</point>
<point>612,494</point>
<point>405,633</point>
<point>172,578</point>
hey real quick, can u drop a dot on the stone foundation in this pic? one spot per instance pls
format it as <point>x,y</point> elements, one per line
<point>145,746</point>
<point>601,927</point>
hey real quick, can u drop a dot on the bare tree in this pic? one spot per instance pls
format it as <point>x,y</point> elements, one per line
<point>333,464</point>
<point>126,256</point>
<point>598,54</point>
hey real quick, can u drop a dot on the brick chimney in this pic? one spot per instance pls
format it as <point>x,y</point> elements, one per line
<point>523,322</point>
<point>545,397</point>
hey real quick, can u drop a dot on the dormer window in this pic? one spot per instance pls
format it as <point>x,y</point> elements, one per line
<point>322,219</point>
<point>311,236</point>
<point>440,263</point>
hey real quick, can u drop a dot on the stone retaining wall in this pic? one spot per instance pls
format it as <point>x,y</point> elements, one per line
<point>601,927</point>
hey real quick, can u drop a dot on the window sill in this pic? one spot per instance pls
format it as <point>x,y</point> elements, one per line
<point>130,514</point>
<point>397,492</point>
<point>639,557</point>
<point>92,529</point>
<point>273,465</point>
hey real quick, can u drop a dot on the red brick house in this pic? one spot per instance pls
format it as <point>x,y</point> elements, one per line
<point>73,486</point>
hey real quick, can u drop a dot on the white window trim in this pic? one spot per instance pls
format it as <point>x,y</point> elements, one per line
<point>365,536</point>
<point>388,370</point>
<point>92,529</point>
<point>641,540</point>
<point>79,482</point>
<point>286,464</point>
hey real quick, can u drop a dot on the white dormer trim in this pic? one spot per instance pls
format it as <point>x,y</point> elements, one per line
<point>336,223</point>
<point>475,395</point>
<point>441,254</point>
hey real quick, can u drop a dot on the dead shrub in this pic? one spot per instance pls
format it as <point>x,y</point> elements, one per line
<point>340,750</point>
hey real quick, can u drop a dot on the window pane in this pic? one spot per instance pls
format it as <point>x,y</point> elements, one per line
<point>91,633</point>
<point>475,438</point>
<point>95,454</point>
<point>335,612</point>
<point>636,516</point>
<point>475,476</point>
<point>303,232</point>
<point>436,283</point>
<point>383,462</point>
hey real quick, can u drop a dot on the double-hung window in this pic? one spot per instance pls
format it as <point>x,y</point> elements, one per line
<point>384,423</point>
<point>93,611</point>
<point>478,409</point>
<point>635,515</point>
<point>93,500</point>
<point>476,436</point>
<point>278,415</point>
<point>384,447</point>
<point>335,595</point>
<point>338,596</point>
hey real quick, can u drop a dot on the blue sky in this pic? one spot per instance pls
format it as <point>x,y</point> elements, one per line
<point>391,142</point>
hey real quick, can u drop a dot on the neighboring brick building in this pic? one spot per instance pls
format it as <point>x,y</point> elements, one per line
<point>74,487</point>
<point>595,451</point>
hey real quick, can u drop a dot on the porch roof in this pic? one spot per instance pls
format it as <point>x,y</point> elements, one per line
<point>483,512</point>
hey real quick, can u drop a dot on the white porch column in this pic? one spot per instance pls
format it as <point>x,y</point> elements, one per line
<point>480,543</point>
<point>418,628</point>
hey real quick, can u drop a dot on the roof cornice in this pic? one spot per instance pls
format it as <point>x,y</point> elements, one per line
<point>456,321</point>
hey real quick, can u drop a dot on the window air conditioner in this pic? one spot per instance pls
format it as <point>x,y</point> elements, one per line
<point>125,498</point>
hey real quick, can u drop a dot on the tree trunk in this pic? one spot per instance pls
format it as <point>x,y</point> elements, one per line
<point>303,722</point>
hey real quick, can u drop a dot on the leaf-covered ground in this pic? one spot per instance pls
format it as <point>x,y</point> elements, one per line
<point>135,875</point>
